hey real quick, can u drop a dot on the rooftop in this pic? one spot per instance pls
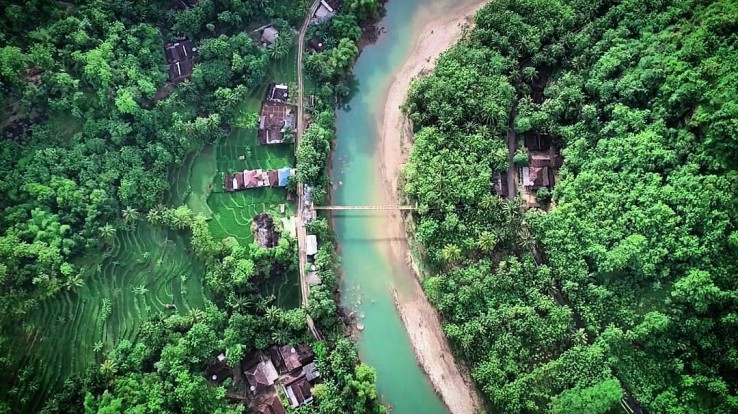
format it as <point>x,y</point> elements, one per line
<point>299,392</point>
<point>260,373</point>
<point>274,119</point>
<point>271,405</point>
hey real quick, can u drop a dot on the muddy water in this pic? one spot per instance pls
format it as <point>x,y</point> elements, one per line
<point>372,270</point>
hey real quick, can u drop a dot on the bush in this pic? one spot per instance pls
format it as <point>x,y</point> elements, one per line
<point>543,195</point>
<point>520,159</point>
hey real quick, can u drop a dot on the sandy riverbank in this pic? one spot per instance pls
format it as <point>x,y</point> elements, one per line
<point>449,379</point>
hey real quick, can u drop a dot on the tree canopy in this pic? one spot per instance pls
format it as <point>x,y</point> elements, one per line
<point>625,289</point>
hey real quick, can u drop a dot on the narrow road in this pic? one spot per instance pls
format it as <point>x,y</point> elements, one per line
<point>300,221</point>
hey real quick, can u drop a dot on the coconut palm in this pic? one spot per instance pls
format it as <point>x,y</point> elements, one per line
<point>195,315</point>
<point>129,214</point>
<point>107,232</point>
<point>74,281</point>
<point>580,337</point>
<point>108,368</point>
<point>153,216</point>
<point>451,253</point>
<point>98,346</point>
<point>487,241</point>
<point>272,314</point>
<point>280,336</point>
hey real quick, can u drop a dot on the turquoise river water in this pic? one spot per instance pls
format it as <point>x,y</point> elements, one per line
<point>370,274</point>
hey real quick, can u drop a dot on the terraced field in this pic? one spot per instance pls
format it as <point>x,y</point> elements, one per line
<point>232,212</point>
<point>145,269</point>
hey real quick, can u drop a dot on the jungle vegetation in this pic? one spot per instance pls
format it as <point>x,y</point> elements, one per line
<point>97,133</point>
<point>626,288</point>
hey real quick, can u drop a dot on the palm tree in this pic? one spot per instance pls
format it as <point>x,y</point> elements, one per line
<point>98,346</point>
<point>580,337</point>
<point>129,214</point>
<point>75,281</point>
<point>107,232</point>
<point>451,253</point>
<point>108,368</point>
<point>488,202</point>
<point>153,216</point>
<point>272,314</point>
<point>280,336</point>
<point>195,315</point>
<point>238,302</point>
<point>487,241</point>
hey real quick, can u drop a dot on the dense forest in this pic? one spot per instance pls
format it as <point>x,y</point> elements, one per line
<point>621,290</point>
<point>91,129</point>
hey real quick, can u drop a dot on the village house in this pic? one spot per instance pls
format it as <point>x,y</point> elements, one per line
<point>275,120</point>
<point>270,404</point>
<point>260,373</point>
<point>315,45</point>
<point>297,367</point>
<point>325,11</point>
<point>248,179</point>
<point>180,57</point>
<point>500,184</point>
<point>543,164</point>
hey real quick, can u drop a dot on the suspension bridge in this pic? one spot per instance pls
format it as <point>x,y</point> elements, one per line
<point>377,207</point>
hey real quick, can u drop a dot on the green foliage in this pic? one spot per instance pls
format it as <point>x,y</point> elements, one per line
<point>543,195</point>
<point>625,288</point>
<point>601,398</point>
<point>520,159</point>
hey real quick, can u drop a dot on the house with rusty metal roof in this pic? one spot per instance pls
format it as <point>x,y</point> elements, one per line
<point>260,373</point>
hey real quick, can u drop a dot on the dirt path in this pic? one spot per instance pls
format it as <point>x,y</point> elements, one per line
<point>449,379</point>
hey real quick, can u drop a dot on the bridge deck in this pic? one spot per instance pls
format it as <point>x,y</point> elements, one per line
<point>388,207</point>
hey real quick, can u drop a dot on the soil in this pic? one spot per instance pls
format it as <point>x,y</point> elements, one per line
<point>450,378</point>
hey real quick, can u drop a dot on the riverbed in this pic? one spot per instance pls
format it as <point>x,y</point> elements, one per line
<point>372,243</point>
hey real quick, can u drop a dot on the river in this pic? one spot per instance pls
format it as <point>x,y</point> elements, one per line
<point>371,269</point>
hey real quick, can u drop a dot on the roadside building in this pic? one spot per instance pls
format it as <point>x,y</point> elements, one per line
<point>275,120</point>
<point>277,92</point>
<point>311,246</point>
<point>325,11</point>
